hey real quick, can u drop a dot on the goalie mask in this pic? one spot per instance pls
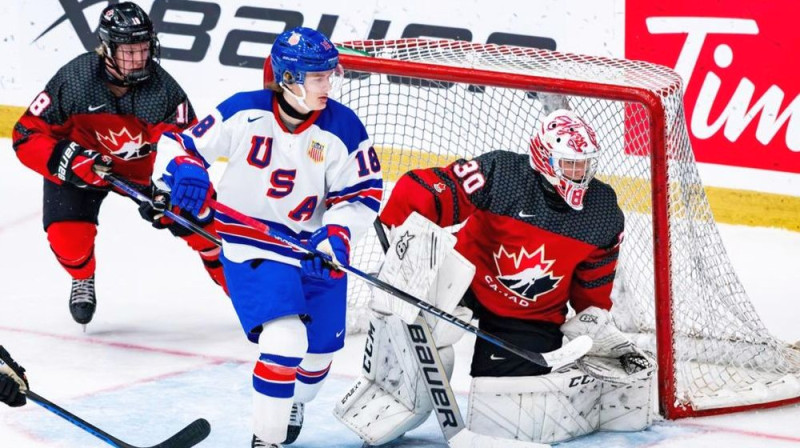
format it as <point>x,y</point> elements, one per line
<point>299,51</point>
<point>565,151</point>
<point>130,47</point>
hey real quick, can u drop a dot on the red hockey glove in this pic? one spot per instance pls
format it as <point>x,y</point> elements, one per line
<point>79,166</point>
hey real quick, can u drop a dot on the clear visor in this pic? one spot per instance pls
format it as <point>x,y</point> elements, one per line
<point>329,81</point>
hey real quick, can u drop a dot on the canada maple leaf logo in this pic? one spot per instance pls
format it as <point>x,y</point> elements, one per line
<point>525,274</point>
<point>123,144</point>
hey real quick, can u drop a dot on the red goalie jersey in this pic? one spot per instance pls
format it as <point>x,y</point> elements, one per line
<point>532,253</point>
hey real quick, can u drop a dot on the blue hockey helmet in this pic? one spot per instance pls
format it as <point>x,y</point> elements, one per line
<point>301,50</point>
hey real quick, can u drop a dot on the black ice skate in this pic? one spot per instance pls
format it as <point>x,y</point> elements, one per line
<point>82,300</point>
<point>258,443</point>
<point>295,423</point>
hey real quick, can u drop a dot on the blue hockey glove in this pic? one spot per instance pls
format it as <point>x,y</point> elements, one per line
<point>333,240</point>
<point>188,180</point>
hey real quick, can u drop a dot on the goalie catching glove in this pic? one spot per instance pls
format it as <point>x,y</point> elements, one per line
<point>613,357</point>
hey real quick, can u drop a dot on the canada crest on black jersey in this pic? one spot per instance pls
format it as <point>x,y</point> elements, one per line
<point>527,275</point>
<point>124,144</point>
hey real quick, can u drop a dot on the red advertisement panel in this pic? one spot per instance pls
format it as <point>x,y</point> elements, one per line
<point>740,62</point>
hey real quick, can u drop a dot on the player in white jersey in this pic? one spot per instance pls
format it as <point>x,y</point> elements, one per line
<point>303,164</point>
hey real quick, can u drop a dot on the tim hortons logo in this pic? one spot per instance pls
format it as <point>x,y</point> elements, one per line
<point>123,145</point>
<point>524,275</point>
<point>740,110</point>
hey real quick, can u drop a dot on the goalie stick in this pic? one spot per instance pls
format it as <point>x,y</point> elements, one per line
<point>430,366</point>
<point>187,437</point>
<point>568,353</point>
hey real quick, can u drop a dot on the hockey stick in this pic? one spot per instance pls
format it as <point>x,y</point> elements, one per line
<point>420,338</point>
<point>568,353</point>
<point>187,437</point>
<point>141,197</point>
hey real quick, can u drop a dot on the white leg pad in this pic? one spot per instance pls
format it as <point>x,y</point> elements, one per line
<point>558,406</point>
<point>542,409</point>
<point>376,415</point>
<point>390,398</point>
<point>628,407</point>
<point>468,439</point>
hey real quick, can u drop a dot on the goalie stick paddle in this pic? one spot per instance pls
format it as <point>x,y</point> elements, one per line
<point>568,353</point>
<point>140,197</point>
<point>187,437</point>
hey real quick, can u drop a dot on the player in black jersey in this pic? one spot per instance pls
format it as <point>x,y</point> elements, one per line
<point>104,111</point>
<point>13,382</point>
<point>542,232</point>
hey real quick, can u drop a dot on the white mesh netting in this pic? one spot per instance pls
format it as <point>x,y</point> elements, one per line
<point>429,116</point>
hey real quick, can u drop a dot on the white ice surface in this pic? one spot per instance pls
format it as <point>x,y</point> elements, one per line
<point>165,346</point>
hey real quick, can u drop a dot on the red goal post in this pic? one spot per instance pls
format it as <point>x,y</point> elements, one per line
<point>428,102</point>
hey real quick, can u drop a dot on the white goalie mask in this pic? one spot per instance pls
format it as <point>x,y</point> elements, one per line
<point>565,151</point>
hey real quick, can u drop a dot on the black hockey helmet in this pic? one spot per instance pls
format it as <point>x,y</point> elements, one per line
<point>127,23</point>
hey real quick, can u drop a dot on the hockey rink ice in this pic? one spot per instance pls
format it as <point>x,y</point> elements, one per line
<point>165,346</point>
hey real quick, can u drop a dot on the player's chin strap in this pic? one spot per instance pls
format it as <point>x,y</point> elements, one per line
<point>301,100</point>
<point>568,353</point>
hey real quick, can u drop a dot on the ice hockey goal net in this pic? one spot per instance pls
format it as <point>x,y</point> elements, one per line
<point>426,103</point>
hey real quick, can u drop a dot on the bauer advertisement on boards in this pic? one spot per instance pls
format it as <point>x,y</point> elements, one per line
<point>738,63</point>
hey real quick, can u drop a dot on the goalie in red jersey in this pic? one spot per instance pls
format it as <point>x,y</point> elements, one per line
<point>103,112</point>
<point>542,234</point>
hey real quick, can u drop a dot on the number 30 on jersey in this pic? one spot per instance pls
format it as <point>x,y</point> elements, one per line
<point>471,178</point>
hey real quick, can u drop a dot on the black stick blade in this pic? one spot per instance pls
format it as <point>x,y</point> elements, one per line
<point>189,436</point>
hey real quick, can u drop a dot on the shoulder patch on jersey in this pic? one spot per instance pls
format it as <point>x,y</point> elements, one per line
<point>255,100</point>
<point>342,122</point>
